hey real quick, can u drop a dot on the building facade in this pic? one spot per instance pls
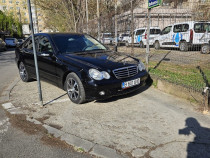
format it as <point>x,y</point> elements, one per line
<point>19,9</point>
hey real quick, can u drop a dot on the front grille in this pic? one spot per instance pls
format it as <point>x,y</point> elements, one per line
<point>125,72</point>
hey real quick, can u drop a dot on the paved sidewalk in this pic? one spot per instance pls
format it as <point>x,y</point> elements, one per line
<point>146,124</point>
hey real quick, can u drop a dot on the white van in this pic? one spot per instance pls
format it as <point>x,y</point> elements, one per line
<point>140,36</point>
<point>184,35</point>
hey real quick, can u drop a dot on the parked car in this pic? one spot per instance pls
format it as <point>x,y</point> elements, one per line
<point>107,38</point>
<point>11,42</point>
<point>81,65</point>
<point>2,45</point>
<point>123,37</point>
<point>184,35</point>
<point>140,36</point>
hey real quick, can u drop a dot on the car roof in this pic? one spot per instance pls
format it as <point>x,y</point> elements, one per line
<point>144,28</point>
<point>59,33</point>
<point>188,22</point>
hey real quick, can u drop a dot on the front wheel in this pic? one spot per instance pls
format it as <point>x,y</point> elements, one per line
<point>183,46</point>
<point>75,89</point>
<point>205,49</point>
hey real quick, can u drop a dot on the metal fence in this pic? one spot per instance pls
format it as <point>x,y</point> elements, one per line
<point>179,41</point>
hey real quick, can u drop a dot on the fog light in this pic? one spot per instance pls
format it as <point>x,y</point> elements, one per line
<point>102,93</point>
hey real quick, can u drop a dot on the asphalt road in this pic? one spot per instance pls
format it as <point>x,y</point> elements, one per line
<point>14,142</point>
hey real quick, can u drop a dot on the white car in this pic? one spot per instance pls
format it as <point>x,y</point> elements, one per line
<point>185,35</point>
<point>140,36</point>
<point>123,37</point>
<point>107,38</point>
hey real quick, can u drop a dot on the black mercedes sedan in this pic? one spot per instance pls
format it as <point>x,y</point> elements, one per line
<point>81,65</point>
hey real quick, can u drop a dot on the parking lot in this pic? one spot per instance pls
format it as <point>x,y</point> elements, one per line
<point>148,123</point>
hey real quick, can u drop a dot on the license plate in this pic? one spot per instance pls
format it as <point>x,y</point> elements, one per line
<point>131,83</point>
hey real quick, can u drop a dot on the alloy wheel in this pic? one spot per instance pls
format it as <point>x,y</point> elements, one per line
<point>72,89</point>
<point>22,71</point>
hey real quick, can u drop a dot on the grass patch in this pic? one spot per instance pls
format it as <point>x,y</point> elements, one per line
<point>186,75</point>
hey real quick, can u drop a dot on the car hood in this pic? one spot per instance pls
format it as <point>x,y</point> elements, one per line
<point>104,60</point>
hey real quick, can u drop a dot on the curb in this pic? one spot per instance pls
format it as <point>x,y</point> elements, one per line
<point>77,142</point>
<point>5,96</point>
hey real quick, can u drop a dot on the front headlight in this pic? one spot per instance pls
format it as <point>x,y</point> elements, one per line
<point>97,75</point>
<point>141,66</point>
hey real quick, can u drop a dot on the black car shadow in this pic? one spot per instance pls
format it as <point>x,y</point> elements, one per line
<point>200,147</point>
<point>123,96</point>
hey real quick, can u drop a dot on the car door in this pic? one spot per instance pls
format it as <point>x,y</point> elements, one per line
<point>46,60</point>
<point>166,36</point>
<point>28,55</point>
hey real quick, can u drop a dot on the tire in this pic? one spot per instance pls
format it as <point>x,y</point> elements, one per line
<point>205,49</point>
<point>23,73</point>
<point>157,45</point>
<point>183,46</point>
<point>75,88</point>
<point>126,44</point>
<point>141,45</point>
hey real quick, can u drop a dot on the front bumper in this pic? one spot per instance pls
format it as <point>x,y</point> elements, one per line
<point>112,87</point>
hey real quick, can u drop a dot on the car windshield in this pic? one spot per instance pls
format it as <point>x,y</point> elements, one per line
<point>76,43</point>
<point>123,35</point>
<point>9,39</point>
<point>107,35</point>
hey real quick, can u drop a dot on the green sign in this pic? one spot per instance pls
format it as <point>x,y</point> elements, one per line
<point>153,3</point>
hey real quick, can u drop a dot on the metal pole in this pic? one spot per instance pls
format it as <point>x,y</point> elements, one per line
<point>98,15</point>
<point>148,34</point>
<point>87,15</point>
<point>34,50</point>
<point>116,25</point>
<point>132,28</point>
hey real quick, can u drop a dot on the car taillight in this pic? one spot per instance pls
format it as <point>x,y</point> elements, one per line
<point>191,35</point>
<point>145,36</point>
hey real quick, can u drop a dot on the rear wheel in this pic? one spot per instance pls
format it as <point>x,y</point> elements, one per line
<point>205,49</point>
<point>157,45</point>
<point>23,72</point>
<point>75,89</point>
<point>183,46</point>
<point>126,44</point>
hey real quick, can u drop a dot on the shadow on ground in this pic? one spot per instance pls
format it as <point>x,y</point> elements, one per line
<point>200,147</point>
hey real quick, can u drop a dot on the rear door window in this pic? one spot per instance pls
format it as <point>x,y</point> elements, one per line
<point>181,28</point>
<point>44,45</point>
<point>202,27</point>
<point>139,32</point>
<point>154,31</point>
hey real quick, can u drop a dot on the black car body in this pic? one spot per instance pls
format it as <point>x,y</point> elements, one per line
<point>99,73</point>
